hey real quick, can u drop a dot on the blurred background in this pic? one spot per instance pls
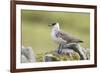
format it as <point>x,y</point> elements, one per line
<point>36,33</point>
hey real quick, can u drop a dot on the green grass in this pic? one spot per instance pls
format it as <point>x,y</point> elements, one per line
<point>36,33</point>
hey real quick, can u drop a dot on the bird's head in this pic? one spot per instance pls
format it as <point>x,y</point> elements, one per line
<point>54,25</point>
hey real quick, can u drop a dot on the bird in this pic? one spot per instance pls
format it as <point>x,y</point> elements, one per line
<point>61,37</point>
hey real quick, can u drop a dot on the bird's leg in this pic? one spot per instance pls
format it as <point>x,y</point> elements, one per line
<point>59,45</point>
<point>60,48</point>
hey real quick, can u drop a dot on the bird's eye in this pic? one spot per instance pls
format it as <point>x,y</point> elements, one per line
<point>53,24</point>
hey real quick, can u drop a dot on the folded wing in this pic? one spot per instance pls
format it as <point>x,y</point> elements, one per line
<point>68,38</point>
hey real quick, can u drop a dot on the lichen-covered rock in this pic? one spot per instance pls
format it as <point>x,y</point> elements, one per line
<point>70,52</point>
<point>87,53</point>
<point>27,55</point>
<point>75,47</point>
<point>53,56</point>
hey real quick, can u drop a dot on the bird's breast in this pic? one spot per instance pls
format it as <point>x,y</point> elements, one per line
<point>55,37</point>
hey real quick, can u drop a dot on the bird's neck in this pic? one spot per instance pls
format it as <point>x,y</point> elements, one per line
<point>55,29</point>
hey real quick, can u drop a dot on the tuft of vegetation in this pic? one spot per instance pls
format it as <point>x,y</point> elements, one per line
<point>59,57</point>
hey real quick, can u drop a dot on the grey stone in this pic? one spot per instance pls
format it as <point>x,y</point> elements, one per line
<point>27,54</point>
<point>24,59</point>
<point>67,48</point>
<point>50,57</point>
<point>47,57</point>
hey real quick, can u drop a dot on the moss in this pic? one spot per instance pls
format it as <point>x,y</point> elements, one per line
<point>59,57</point>
<point>75,56</point>
<point>39,57</point>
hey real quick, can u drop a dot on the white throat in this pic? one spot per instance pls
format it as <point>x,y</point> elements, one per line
<point>55,30</point>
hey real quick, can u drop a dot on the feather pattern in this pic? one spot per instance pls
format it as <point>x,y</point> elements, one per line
<point>69,38</point>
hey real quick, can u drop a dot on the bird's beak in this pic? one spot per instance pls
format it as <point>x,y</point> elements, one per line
<point>49,25</point>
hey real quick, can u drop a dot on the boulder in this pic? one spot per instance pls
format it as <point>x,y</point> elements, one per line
<point>27,55</point>
<point>70,52</point>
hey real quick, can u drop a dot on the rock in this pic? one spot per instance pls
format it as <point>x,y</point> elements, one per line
<point>53,56</point>
<point>87,53</point>
<point>49,57</point>
<point>27,55</point>
<point>24,59</point>
<point>70,52</point>
<point>75,47</point>
<point>65,51</point>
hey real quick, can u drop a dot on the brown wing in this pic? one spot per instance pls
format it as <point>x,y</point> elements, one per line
<point>69,38</point>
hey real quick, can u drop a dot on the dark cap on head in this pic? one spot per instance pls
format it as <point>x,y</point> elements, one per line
<point>52,24</point>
